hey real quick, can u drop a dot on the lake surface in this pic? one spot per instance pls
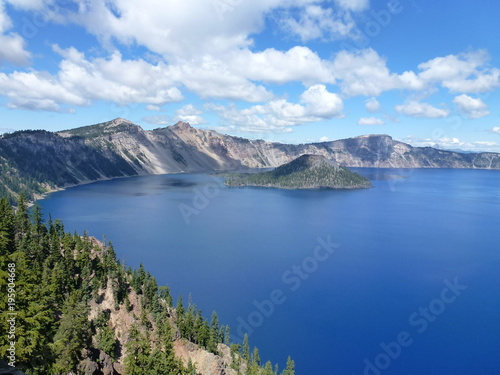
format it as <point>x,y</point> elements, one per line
<point>403,278</point>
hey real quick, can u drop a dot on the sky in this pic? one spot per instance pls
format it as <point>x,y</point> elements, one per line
<point>294,71</point>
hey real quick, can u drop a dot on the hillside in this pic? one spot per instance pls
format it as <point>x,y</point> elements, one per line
<point>305,172</point>
<point>38,161</point>
<point>77,310</point>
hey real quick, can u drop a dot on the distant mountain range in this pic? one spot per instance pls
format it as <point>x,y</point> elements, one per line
<point>37,161</point>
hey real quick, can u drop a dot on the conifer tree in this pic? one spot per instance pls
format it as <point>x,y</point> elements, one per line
<point>290,367</point>
<point>246,348</point>
<point>214,333</point>
<point>137,349</point>
<point>72,335</point>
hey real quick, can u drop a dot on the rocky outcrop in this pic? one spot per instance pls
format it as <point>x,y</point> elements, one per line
<point>205,362</point>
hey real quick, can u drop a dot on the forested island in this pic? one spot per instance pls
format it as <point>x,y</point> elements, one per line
<point>305,172</point>
<point>73,308</point>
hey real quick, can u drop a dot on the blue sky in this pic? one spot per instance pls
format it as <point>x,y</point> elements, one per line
<point>426,73</point>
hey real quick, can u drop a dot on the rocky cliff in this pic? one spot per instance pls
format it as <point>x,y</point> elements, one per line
<point>35,160</point>
<point>183,148</point>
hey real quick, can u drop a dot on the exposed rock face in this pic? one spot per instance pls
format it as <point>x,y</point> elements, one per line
<point>183,148</point>
<point>120,148</point>
<point>205,362</point>
<point>121,320</point>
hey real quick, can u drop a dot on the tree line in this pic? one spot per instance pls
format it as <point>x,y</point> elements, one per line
<point>59,274</point>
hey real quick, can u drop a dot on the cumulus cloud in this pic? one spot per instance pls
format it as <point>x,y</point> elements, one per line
<point>496,130</point>
<point>176,29</point>
<point>279,115</point>
<point>212,78</point>
<point>366,73</point>
<point>372,105</point>
<point>273,66</point>
<point>189,113</point>
<point>463,73</point>
<point>81,81</point>
<point>13,46</point>
<point>321,103</point>
<point>370,121</point>
<point>471,107</point>
<point>421,110</point>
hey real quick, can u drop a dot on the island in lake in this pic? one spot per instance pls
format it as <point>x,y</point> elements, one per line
<point>305,172</point>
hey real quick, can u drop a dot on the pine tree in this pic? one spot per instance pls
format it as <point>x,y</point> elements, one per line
<point>7,233</point>
<point>214,333</point>
<point>246,348</point>
<point>256,356</point>
<point>268,369</point>
<point>290,367</point>
<point>72,335</point>
<point>227,336</point>
<point>137,349</point>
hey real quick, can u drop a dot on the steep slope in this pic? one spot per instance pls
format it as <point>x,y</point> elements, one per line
<point>77,310</point>
<point>38,161</point>
<point>305,172</point>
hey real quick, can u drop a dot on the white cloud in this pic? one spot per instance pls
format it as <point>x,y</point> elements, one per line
<point>5,21</point>
<point>365,73</point>
<point>496,130</point>
<point>177,29</point>
<point>370,121</point>
<point>161,120</point>
<point>471,107</point>
<point>464,73</point>
<point>279,115</point>
<point>13,46</point>
<point>353,5</point>
<point>30,4</point>
<point>321,103</point>
<point>317,22</point>
<point>80,82</point>
<point>324,139</point>
<point>189,113</point>
<point>455,144</point>
<point>212,78</point>
<point>297,64</point>
<point>422,110</point>
<point>372,105</point>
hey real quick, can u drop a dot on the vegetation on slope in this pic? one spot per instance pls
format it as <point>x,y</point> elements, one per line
<point>78,310</point>
<point>305,172</point>
<point>103,129</point>
<point>35,161</point>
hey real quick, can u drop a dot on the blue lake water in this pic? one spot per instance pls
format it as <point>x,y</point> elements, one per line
<point>403,278</point>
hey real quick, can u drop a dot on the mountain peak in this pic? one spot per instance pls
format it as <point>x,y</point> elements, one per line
<point>309,161</point>
<point>118,125</point>
<point>182,125</point>
<point>373,136</point>
<point>121,120</point>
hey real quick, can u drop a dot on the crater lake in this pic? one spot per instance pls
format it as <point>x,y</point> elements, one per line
<point>402,278</point>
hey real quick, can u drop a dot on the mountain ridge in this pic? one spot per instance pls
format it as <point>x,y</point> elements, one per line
<point>120,148</point>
